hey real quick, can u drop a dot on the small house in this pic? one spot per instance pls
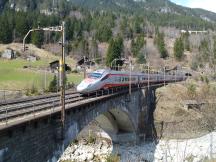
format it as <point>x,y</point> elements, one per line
<point>9,54</point>
<point>85,61</point>
<point>54,66</point>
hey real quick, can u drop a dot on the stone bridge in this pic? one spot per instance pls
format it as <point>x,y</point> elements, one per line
<point>123,117</point>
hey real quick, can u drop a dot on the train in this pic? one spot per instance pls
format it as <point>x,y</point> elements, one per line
<point>105,79</point>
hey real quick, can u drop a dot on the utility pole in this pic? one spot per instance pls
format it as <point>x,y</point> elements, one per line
<point>164,76</point>
<point>130,81</point>
<point>60,29</point>
<point>62,82</point>
<point>84,68</point>
<point>112,64</point>
<point>148,76</point>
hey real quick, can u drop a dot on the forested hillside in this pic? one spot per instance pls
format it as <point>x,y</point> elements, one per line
<point>126,26</point>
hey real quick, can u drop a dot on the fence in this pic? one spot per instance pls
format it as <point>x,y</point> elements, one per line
<point>10,94</point>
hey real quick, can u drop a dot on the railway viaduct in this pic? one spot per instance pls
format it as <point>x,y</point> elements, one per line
<point>38,138</point>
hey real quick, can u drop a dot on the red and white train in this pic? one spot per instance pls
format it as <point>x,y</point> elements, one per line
<point>105,79</point>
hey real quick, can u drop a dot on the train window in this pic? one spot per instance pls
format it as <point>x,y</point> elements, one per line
<point>106,77</point>
<point>118,79</point>
<point>94,75</point>
<point>122,79</point>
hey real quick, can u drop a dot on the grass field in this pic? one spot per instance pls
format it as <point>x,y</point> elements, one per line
<point>14,77</point>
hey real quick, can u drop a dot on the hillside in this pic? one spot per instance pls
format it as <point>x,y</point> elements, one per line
<point>159,12</point>
<point>139,28</point>
<point>143,6</point>
<point>20,74</point>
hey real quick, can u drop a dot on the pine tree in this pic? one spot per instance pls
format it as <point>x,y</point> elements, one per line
<point>204,50</point>
<point>137,45</point>
<point>104,33</point>
<point>141,58</point>
<point>21,26</point>
<point>115,50</point>
<point>110,53</point>
<point>159,41</point>
<point>178,49</point>
<point>5,30</point>
<point>69,29</point>
<point>37,38</point>
<point>53,87</point>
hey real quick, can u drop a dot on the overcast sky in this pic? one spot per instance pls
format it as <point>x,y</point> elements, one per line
<point>205,4</point>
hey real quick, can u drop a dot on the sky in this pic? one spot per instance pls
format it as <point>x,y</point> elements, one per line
<point>205,4</point>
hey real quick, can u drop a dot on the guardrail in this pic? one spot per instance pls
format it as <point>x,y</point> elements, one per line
<point>10,94</point>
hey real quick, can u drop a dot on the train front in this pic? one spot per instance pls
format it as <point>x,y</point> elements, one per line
<point>91,83</point>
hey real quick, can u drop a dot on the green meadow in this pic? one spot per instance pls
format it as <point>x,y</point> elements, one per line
<point>14,77</point>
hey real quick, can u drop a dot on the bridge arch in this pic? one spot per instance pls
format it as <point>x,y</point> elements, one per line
<point>116,117</point>
<point>115,123</point>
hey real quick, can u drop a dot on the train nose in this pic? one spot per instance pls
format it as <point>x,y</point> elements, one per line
<point>83,87</point>
<point>79,88</point>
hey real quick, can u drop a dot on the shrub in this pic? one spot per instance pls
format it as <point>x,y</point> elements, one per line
<point>202,78</point>
<point>112,158</point>
<point>34,90</point>
<point>74,71</point>
<point>28,93</point>
<point>206,80</point>
<point>191,90</point>
<point>75,141</point>
<point>194,65</point>
<point>31,91</point>
<point>91,138</point>
<point>53,87</point>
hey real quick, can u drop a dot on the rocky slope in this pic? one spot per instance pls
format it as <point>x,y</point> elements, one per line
<point>174,120</point>
<point>195,150</point>
<point>83,151</point>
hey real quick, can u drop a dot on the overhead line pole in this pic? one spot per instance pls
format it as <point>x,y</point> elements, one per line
<point>148,76</point>
<point>61,65</point>
<point>130,78</point>
<point>62,72</point>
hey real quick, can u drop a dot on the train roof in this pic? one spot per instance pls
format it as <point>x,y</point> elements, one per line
<point>106,71</point>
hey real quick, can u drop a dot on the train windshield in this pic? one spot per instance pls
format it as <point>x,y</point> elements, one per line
<point>94,75</point>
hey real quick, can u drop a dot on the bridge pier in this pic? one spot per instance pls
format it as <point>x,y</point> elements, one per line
<point>39,140</point>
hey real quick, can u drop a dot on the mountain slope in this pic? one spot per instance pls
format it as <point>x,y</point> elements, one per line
<point>143,6</point>
<point>159,12</point>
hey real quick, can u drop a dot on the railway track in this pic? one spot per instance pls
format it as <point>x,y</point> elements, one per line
<point>29,99</point>
<point>18,108</point>
<point>33,105</point>
<point>22,107</point>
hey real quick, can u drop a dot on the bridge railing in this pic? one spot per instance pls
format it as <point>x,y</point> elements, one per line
<point>10,94</point>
